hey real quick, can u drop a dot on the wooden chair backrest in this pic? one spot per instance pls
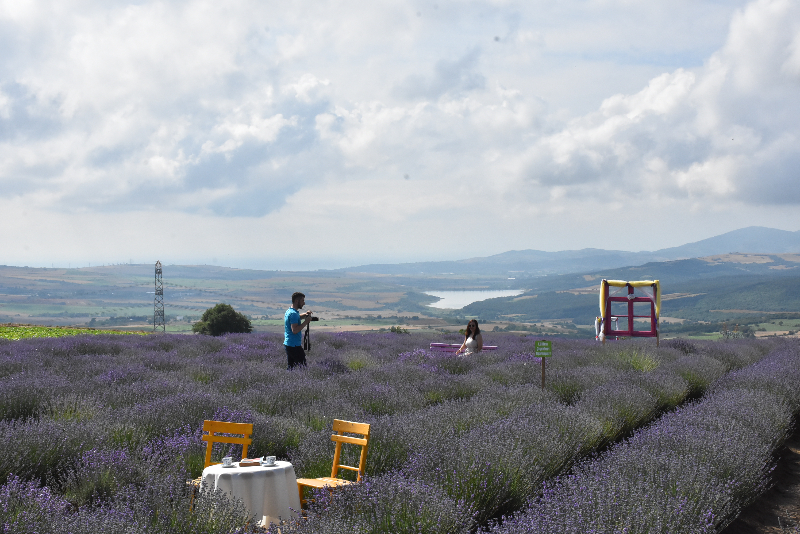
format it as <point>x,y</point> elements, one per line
<point>221,427</point>
<point>340,427</point>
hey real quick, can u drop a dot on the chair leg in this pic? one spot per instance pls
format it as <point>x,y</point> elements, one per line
<point>191,499</point>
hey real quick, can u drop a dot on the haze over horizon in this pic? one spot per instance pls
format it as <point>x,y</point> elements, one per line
<point>324,134</point>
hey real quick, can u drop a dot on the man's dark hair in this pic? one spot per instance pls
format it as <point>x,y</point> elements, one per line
<point>296,295</point>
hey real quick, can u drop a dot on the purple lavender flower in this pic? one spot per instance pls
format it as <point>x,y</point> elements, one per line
<point>456,443</point>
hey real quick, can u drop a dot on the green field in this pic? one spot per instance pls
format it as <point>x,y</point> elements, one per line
<point>703,294</point>
<point>15,332</point>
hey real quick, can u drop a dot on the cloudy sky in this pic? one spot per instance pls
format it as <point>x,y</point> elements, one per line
<point>315,134</point>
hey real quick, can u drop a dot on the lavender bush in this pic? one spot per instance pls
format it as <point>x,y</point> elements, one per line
<point>101,432</point>
<point>692,471</point>
<point>158,507</point>
<point>389,503</point>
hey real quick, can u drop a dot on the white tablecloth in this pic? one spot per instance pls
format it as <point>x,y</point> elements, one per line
<point>269,493</point>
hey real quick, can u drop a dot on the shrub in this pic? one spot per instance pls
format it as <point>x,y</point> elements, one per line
<point>222,319</point>
<point>391,503</point>
<point>691,471</point>
<point>455,442</point>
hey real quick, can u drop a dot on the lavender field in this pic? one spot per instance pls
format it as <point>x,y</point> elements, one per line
<point>100,433</point>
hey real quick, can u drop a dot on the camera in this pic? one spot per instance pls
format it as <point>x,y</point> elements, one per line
<point>314,319</point>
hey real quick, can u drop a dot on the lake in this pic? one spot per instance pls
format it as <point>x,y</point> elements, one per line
<point>455,300</point>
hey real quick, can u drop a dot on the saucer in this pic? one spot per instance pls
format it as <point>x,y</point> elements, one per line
<point>227,466</point>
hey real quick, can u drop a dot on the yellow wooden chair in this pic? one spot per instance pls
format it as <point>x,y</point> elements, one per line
<point>340,427</point>
<point>221,427</point>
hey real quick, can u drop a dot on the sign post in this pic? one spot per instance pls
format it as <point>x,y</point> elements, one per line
<point>544,349</point>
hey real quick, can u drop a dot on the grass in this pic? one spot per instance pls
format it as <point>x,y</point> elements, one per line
<point>16,332</point>
<point>779,326</point>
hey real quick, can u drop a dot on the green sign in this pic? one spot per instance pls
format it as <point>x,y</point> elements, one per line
<point>544,349</point>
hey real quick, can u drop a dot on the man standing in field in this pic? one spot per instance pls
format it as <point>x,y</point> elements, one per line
<point>292,327</point>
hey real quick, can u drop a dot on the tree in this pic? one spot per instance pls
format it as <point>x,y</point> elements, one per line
<point>222,319</point>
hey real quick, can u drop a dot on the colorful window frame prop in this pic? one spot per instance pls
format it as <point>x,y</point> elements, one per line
<point>603,324</point>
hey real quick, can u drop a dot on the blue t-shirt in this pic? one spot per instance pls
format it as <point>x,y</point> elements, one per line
<point>291,317</point>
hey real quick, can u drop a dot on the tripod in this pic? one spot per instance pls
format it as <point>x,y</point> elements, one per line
<point>307,338</point>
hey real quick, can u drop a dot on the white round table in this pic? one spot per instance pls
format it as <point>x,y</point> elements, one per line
<point>269,493</point>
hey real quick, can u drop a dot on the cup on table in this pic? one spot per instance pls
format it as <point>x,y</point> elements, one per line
<point>227,461</point>
<point>268,460</point>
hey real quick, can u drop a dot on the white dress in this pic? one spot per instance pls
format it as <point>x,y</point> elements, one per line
<point>471,346</point>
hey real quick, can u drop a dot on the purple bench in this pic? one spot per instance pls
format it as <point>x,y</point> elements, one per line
<point>447,347</point>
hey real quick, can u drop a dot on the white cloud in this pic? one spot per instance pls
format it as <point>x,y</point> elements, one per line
<point>308,88</point>
<point>393,117</point>
<point>236,131</point>
<point>714,132</point>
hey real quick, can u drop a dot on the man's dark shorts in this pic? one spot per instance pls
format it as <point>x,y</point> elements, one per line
<point>295,356</point>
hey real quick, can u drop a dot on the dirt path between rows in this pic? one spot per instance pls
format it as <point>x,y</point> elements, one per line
<point>778,510</point>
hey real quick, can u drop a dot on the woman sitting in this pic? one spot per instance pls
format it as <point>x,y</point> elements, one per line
<point>473,341</point>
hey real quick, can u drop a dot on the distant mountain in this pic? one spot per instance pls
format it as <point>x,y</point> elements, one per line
<point>754,239</point>
<point>675,274</point>
<point>725,285</point>
<point>515,261</point>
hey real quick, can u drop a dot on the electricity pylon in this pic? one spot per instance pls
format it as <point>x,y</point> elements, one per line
<point>158,304</point>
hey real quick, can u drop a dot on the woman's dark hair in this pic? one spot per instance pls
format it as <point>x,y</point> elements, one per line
<point>467,331</point>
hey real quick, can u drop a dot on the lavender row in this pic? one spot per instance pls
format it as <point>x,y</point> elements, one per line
<point>692,471</point>
<point>477,433</point>
<point>490,454</point>
<point>158,507</point>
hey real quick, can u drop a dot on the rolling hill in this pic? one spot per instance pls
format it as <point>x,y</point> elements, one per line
<point>528,263</point>
<point>748,271</point>
<point>712,288</point>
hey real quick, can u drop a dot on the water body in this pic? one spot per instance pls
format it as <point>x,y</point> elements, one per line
<point>455,300</point>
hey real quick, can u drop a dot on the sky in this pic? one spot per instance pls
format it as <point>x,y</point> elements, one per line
<point>322,134</point>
